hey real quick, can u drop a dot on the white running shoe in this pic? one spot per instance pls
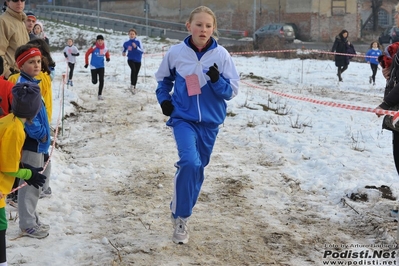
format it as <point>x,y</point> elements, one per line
<point>44,227</point>
<point>180,234</point>
<point>133,89</point>
<point>35,232</point>
<point>100,97</point>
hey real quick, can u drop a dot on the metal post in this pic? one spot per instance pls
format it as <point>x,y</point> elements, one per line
<point>254,16</point>
<point>179,10</point>
<point>318,19</point>
<point>63,108</point>
<point>146,17</point>
<point>98,14</point>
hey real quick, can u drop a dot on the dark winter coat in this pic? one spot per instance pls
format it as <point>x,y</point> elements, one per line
<point>350,49</point>
<point>391,95</point>
<point>341,45</point>
<point>390,60</point>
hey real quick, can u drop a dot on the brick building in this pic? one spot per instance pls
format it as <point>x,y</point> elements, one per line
<point>318,20</point>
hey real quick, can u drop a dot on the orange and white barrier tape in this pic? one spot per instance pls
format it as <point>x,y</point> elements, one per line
<point>298,50</point>
<point>326,103</point>
<point>301,51</point>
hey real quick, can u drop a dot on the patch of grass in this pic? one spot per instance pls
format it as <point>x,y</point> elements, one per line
<point>231,114</point>
<point>267,108</point>
<point>299,124</point>
<point>357,142</point>
<point>249,107</point>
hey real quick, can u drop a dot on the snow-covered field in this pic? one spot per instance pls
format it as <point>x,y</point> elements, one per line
<point>277,190</point>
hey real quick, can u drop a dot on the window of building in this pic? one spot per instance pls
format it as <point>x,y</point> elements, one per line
<point>383,18</point>
<point>338,7</point>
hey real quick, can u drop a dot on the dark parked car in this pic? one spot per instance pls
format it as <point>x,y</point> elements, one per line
<point>389,35</point>
<point>280,30</point>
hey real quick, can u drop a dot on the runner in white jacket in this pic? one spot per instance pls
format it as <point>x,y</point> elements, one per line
<point>203,77</point>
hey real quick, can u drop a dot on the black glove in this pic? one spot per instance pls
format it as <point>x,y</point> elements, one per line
<point>37,180</point>
<point>108,59</point>
<point>167,107</point>
<point>213,73</point>
<point>65,54</point>
<point>86,65</point>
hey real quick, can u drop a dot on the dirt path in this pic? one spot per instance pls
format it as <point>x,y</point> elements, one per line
<point>231,225</point>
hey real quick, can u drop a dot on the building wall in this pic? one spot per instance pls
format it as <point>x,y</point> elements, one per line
<point>388,6</point>
<point>326,25</point>
<point>240,14</point>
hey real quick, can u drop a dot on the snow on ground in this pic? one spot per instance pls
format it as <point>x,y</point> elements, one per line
<point>278,185</point>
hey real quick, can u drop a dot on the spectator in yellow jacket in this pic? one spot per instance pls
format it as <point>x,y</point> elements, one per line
<point>26,105</point>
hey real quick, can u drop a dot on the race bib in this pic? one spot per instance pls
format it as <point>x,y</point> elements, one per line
<point>193,86</point>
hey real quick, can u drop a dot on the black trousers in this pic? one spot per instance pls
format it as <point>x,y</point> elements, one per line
<point>100,73</point>
<point>395,146</point>
<point>134,71</point>
<point>71,68</point>
<point>3,257</point>
<point>374,68</point>
<point>341,69</point>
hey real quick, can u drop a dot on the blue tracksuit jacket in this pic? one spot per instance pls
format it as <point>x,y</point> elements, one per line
<point>133,54</point>
<point>375,54</point>
<point>209,106</point>
<point>195,119</point>
<point>39,128</point>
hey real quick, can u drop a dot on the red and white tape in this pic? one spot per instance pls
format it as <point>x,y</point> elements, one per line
<point>331,104</point>
<point>302,51</point>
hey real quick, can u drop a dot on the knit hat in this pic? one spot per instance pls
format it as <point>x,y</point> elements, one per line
<point>100,37</point>
<point>26,101</point>
<point>40,24</point>
<point>41,34</point>
<point>25,56</point>
<point>31,16</point>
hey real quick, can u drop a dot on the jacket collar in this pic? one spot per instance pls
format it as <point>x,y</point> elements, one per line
<point>19,16</point>
<point>31,79</point>
<point>210,45</point>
